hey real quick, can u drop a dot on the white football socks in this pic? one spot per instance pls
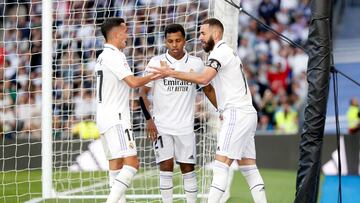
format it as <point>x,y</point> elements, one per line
<point>255,182</point>
<point>166,186</point>
<point>190,186</point>
<point>233,167</point>
<point>112,176</point>
<point>218,185</point>
<point>121,183</point>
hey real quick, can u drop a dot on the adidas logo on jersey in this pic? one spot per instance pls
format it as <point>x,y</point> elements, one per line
<point>191,157</point>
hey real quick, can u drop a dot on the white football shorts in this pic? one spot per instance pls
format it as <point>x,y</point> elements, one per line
<point>236,136</point>
<point>118,142</point>
<point>180,147</point>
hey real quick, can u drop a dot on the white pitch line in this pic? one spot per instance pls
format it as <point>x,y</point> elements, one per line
<point>82,189</point>
<point>68,193</point>
<point>94,186</point>
<point>36,200</point>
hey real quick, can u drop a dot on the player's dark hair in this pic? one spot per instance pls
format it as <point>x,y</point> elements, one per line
<point>213,22</point>
<point>108,24</point>
<point>173,28</point>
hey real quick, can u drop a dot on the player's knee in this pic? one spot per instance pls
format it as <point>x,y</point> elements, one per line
<point>136,165</point>
<point>167,165</point>
<point>132,161</point>
<point>186,168</point>
<point>223,159</point>
<point>246,161</point>
<point>115,164</point>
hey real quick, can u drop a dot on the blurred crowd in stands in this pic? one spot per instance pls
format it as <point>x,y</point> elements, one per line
<point>275,69</point>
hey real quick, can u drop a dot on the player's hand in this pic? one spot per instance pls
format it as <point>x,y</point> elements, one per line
<point>163,71</point>
<point>151,130</point>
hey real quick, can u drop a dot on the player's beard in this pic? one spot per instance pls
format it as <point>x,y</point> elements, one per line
<point>209,45</point>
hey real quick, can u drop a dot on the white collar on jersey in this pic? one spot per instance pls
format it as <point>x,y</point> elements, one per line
<point>172,60</point>
<point>110,46</point>
<point>218,44</point>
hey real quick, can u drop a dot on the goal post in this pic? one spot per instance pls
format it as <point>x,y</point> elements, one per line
<point>229,16</point>
<point>46,123</point>
<point>49,147</point>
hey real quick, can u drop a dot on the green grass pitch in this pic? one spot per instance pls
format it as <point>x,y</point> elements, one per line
<point>21,186</point>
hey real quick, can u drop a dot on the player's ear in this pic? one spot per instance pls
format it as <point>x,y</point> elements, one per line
<point>112,34</point>
<point>217,34</point>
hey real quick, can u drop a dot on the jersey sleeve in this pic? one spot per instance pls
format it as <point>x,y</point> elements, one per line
<point>217,59</point>
<point>119,67</point>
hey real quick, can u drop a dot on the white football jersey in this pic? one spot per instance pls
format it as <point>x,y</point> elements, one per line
<point>174,99</point>
<point>231,88</point>
<point>112,92</point>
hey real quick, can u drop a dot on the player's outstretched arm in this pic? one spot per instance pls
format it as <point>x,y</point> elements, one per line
<point>210,94</point>
<point>202,78</point>
<point>145,106</point>
<point>134,81</point>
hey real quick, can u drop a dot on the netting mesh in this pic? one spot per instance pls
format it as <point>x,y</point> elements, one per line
<point>79,168</point>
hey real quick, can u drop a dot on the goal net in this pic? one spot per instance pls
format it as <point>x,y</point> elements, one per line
<point>78,166</point>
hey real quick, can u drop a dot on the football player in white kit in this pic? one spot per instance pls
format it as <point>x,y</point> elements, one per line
<point>236,137</point>
<point>171,127</point>
<point>113,82</point>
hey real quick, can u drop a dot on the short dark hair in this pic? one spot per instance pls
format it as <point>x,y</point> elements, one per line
<point>108,24</point>
<point>173,28</point>
<point>214,22</point>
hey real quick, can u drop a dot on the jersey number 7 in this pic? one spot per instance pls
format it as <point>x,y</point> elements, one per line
<point>99,82</point>
<point>129,134</point>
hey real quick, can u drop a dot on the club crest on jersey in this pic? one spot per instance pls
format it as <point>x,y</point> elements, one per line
<point>131,145</point>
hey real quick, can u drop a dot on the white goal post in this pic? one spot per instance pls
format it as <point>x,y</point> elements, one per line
<point>46,113</point>
<point>229,16</point>
<point>49,147</point>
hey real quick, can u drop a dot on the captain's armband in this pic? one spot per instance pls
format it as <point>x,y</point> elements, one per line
<point>213,63</point>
